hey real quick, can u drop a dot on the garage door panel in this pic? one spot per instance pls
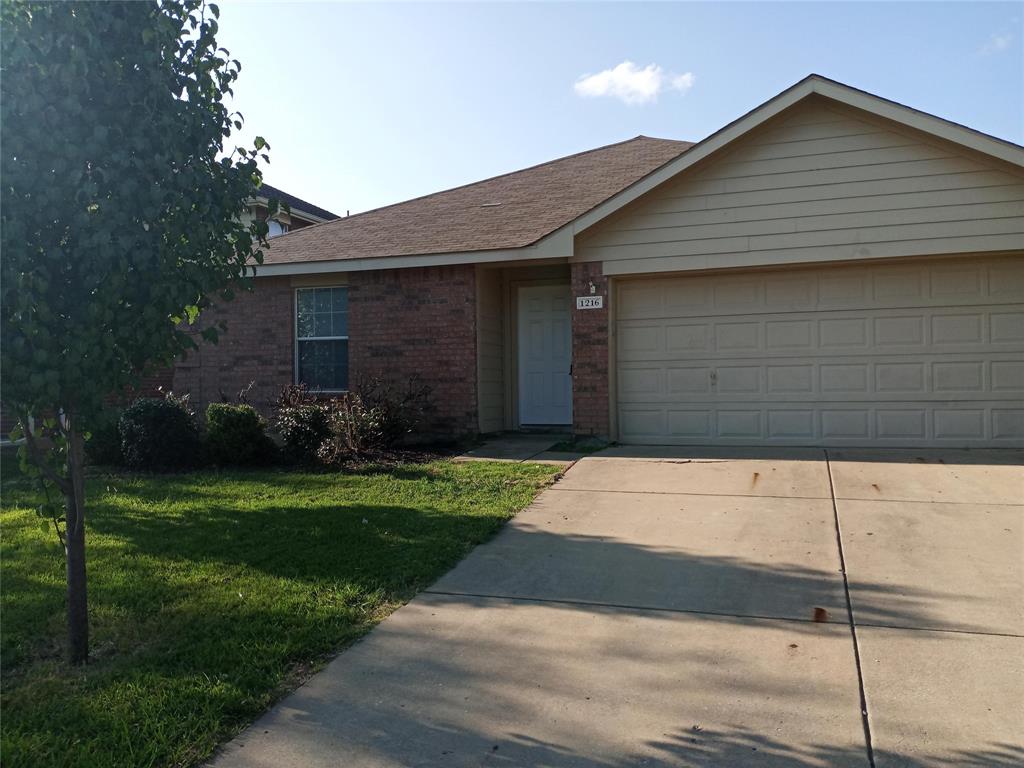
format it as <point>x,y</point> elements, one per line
<point>1008,425</point>
<point>1006,282</point>
<point>895,330</point>
<point>1007,376</point>
<point>901,423</point>
<point>959,423</point>
<point>840,287</point>
<point>789,359</point>
<point>791,424</point>
<point>998,378</point>
<point>1007,327</point>
<point>844,379</point>
<point>690,424</point>
<point>967,377</point>
<point>823,334</point>
<point>689,381</point>
<point>688,338</point>
<point>961,281</point>
<point>845,424</point>
<point>731,337</point>
<point>891,424</point>
<point>790,379</point>
<point>957,329</point>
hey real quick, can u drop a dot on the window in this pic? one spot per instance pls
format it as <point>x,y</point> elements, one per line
<point>321,338</point>
<point>275,228</point>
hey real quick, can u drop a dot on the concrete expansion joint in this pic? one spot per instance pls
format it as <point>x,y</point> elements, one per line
<point>865,716</point>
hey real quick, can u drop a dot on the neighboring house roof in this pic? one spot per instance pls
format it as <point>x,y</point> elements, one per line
<point>297,204</point>
<point>541,209</point>
<point>509,211</point>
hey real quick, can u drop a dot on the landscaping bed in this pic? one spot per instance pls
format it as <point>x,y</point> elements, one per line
<point>212,593</point>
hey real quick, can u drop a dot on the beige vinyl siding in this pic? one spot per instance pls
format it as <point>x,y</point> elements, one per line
<point>819,183</point>
<point>490,350</point>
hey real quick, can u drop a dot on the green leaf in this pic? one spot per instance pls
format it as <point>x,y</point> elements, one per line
<point>142,206</point>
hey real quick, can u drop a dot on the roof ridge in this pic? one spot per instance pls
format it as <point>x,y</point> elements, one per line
<point>489,178</point>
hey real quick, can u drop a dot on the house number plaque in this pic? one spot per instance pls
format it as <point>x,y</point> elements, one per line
<point>589,302</point>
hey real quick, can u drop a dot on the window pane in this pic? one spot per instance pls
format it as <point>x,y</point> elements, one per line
<point>322,324</point>
<point>339,300</point>
<point>304,311</point>
<point>339,324</point>
<point>323,364</point>
<point>323,299</point>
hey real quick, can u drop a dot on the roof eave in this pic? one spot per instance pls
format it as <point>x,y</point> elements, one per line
<point>557,245</point>
<point>560,242</point>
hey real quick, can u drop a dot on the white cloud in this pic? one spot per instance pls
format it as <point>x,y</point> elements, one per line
<point>631,84</point>
<point>997,43</point>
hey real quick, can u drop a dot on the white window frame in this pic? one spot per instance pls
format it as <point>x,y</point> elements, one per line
<point>296,339</point>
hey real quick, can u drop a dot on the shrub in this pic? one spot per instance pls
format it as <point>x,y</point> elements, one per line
<point>159,434</point>
<point>302,421</point>
<point>104,443</point>
<point>235,435</point>
<point>378,415</point>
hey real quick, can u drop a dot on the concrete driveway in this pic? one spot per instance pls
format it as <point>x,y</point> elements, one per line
<point>694,608</point>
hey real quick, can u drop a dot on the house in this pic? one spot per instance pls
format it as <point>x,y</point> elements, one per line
<point>299,214</point>
<point>831,268</point>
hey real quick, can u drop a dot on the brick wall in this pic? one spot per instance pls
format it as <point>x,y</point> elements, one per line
<point>590,404</point>
<point>419,321</point>
<point>256,347</point>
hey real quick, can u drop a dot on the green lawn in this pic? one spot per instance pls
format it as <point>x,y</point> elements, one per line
<point>211,594</point>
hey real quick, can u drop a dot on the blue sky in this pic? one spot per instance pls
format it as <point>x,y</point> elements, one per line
<point>370,104</point>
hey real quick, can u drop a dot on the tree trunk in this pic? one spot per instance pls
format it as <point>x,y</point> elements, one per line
<point>74,507</point>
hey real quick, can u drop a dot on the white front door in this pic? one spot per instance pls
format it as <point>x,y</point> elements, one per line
<point>545,355</point>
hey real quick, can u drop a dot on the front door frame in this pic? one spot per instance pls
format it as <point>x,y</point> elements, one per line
<point>512,345</point>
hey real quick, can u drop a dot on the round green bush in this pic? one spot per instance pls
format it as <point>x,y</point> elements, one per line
<point>304,428</point>
<point>104,444</point>
<point>159,434</point>
<point>235,435</point>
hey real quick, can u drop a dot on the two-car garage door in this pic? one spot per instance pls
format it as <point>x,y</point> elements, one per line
<point>914,353</point>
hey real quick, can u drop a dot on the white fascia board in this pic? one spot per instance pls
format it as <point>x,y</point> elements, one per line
<point>813,84</point>
<point>558,245</point>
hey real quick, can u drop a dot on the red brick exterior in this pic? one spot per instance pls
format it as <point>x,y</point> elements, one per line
<point>590,369</point>
<point>421,321</point>
<point>401,322</point>
<point>257,346</point>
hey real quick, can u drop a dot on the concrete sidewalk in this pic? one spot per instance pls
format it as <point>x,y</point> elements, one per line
<point>689,608</point>
<point>519,447</point>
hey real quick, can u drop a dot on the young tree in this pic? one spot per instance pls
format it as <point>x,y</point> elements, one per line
<point>120,215</point>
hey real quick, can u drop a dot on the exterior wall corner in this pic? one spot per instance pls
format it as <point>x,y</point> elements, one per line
<point>591,406</point>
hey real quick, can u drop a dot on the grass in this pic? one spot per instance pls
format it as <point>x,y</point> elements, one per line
<point>211,594</point>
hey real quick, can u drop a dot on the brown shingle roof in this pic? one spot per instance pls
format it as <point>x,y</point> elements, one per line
<point>531,204</point>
